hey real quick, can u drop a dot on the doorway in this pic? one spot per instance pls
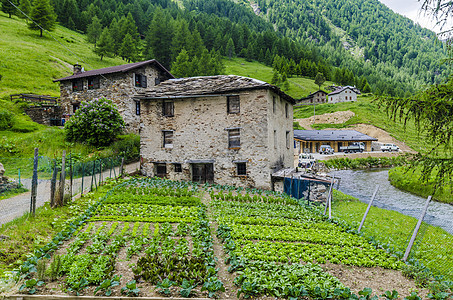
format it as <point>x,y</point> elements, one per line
<point>203,173</point>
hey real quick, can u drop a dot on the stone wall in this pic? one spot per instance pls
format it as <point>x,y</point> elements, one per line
<point>44,114</point>
<point>118,87</point>
<point>344,96</point>
<point>200,134</point>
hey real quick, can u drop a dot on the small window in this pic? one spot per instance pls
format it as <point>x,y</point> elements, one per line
<point>286,110</point>
<point>274,104</point>
<point>241,168</point>
<point>234,138</point>
<point>137,108</point>
<point>168,108</point>
<point>233,104</point>
<point>168,139</point>
<point>178,168</point>
<point>161,170</point>
<point>288,142</point>
<point>93,83</point>
<point>140,80</point>
<point>77,85</point>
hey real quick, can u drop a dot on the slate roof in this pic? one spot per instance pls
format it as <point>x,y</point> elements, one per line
<point>207,85</point>
<point>310,96</point>
<point>332,135</point>
<point>117,69</point>
<point>355,90</point>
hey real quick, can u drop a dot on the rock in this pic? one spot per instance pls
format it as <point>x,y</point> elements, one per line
<point>4,237</point>
<point>2,170</point>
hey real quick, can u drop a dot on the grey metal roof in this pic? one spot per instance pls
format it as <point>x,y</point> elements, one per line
<point>332,135</point>
<point>117,69</point>
<point>207,85</point>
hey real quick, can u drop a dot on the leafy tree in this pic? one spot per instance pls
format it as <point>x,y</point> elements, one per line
<point>319,79</point>
<point>8,8</point>
<point>94,31</point>
<point>105,44</point>
<point>42,13</point>
<point>24,6</point>
<point>96,122</point>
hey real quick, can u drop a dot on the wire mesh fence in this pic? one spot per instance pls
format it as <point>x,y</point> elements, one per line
<point>80,177</point>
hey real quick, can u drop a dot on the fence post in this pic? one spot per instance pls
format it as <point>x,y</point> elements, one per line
<point>34,184</point>
<point>19,178</point>
<point>417,227</point>
<point>114,171</point>
<point>328,195</point>
<point>100,172</point>
<point>62,179</point>
<point>70,175</point>
<point>111,165</point>
<point>122,166</point>
<point>83,175</point>
<point>368,208</point>
<point>92,175</point>
<point>53,184</point>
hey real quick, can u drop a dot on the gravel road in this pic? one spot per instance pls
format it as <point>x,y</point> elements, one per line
<point>17,206</point>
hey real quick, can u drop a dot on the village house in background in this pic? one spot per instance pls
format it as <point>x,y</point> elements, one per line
<point>317,97</point>
<point>343,94</point>
<point>118,83</point>
<point>309,141</point>
<point>222,129</point>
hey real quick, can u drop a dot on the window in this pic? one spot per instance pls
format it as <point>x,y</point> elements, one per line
<point>288,142</point>
<point>275,139</point>
<point>178,168</point>
<point>241,168</point>
<point>140,80</point>
<point>93,83</point>
<point>286,110</point>
<point>137,108</point>
<point>77,85</point>
<point>161,170</point>
<point>274,104</point>
<point>233,104</point>
<point>234,138</point>
<point>168,108</point>
<point>168,139</point>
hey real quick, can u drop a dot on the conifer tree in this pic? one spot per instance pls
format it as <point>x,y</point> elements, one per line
<point>25,7</point>
<point>182,66</point>
<point>128,49</point>
<point>230,49</point>
<point>159,38</point>
<point>94,31</point>
<point>8,8</point>
<point>42,13</point>
<point>105,44</point>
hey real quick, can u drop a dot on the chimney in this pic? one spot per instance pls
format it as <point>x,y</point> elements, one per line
<point>77,69</point>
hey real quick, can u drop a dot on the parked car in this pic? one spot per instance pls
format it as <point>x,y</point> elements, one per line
<point>354,147</point>
<point>306,160</point>
<point>326,149</point>
<point>390,147</point>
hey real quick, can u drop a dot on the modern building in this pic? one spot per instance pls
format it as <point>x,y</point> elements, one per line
<point>118,83</point>
<point>309,141</point>
<point>222,129</point>
<point>343,94</point>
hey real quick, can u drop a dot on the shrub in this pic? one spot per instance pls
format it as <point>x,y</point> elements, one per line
<point>6,119</point>
<point>96,122</point>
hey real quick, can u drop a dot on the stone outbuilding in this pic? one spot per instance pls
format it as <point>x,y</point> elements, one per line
<point>317,97</point>
<point>343,94</point>
<point>222,129</point>
<point>117,83</point>
<point>309,141</point>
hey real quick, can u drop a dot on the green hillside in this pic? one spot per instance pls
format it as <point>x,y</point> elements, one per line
<point>30,63</point>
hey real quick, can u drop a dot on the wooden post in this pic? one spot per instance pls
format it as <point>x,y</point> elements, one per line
<point>53,184</point>
<point>70,175</point>
<point>368,208</point>
<point>111,165</point>
<point>100,171</point>
<point>298,188</point>
<point>417,228</point>
<point>122,166</point>
<point>62,178</point>
<point>291,186</point>
<point>328,196</point>
<point>114,171</point>
<point>83,175</point>
<point>34,184</point>
<point>92,175</point>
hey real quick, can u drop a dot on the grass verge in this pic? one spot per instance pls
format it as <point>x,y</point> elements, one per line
<point>12,193</point>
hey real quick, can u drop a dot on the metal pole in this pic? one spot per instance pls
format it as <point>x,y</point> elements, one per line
<point>34,183</point>
<point>368,208</point>
<point>19,178</point>
<point>328,196</point>
<point>100,171</point>
<point>62,178</point>
<point>122,166</point>
<point>417,228</point>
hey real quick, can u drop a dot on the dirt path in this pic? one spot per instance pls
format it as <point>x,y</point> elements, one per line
<point>17,206</point>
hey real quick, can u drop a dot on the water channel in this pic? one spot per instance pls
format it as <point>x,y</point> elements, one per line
<point>362,183</point>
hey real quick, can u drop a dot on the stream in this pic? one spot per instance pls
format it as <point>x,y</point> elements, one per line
<point>362,183</point>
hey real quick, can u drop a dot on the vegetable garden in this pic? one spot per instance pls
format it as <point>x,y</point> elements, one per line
<point>154,237</point>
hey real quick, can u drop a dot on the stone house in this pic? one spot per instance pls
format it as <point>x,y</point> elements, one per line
<point>317,97</point>
<point>222,129</point>
<point>346,93</point>
<point>118,83</point>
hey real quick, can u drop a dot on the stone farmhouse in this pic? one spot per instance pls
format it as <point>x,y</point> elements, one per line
<point>317,97</point>
<point>344,94</point>
<point>222,129</point>
<point>118,83</point>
